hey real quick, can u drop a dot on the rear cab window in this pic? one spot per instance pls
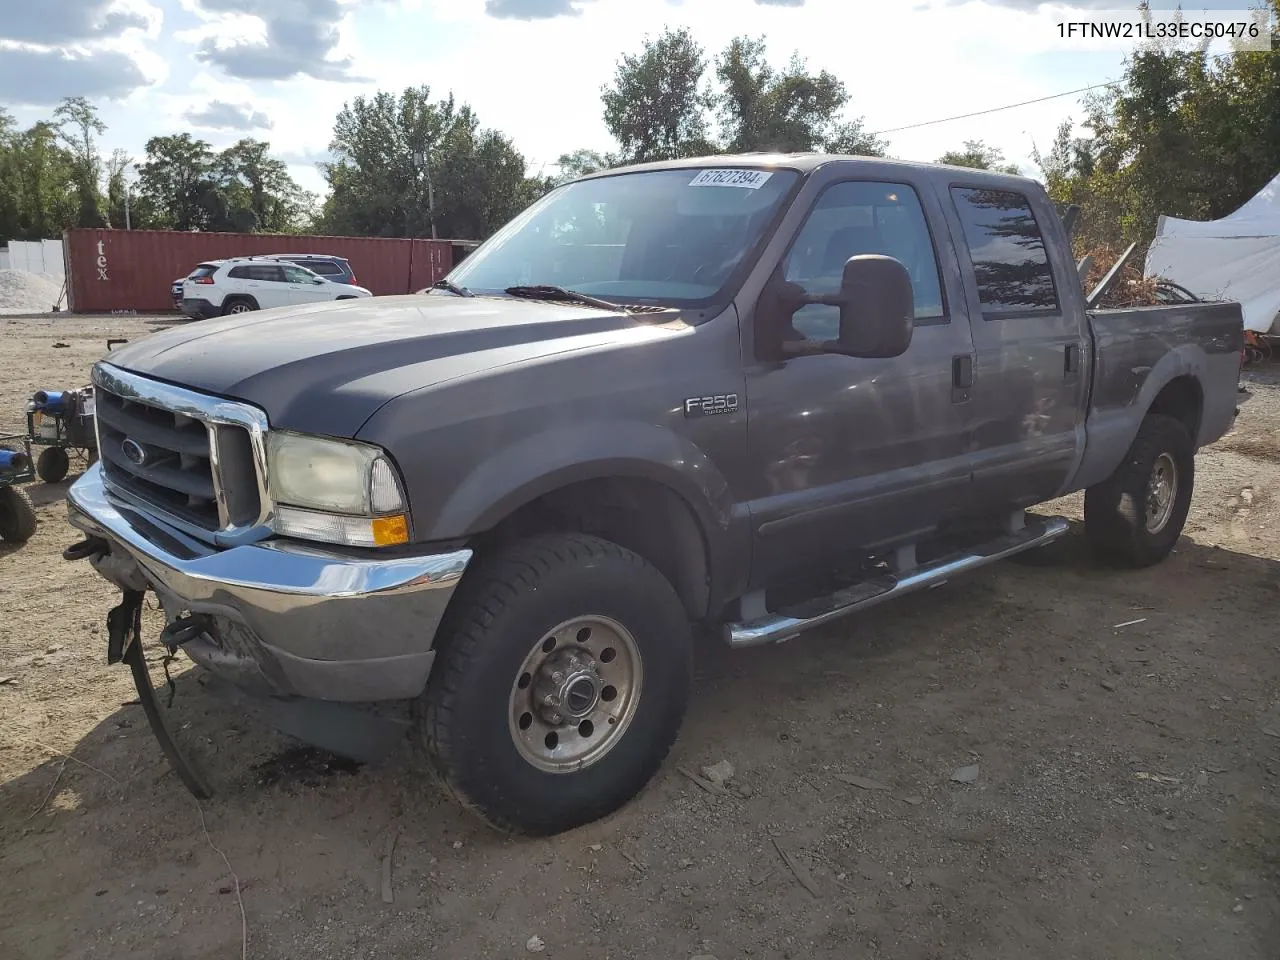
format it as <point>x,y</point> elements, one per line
<point>1007,249</point>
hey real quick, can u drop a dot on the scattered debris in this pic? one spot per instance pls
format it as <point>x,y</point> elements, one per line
<point>61,346</point>
<point>1238,908</point>
<point>534,944</point>
<point>913,800</point>
<point>387,895</point>
<point>705,784</point>
<point>1107,685</point>
<point>744,790</point>
<point>1202,779</point>
<point>1130,623</point>
<point>595,847</point>
<point>1156,777</point>
<point>457,844</point>
<point>862,783</point>
<point>636,864</point>
<point>244,919</point>
<point>800,871</point>
<point>52,787</point>
<point>966,774</point>
<point>5,681</point>
<point>1271,733</point>
<point>719,772</point>
<point>1215,769</point>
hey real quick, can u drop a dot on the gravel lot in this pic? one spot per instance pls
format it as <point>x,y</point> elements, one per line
<point>1125,728</point>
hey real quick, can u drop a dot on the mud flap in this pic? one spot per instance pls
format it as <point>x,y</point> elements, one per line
<point>124,644</point>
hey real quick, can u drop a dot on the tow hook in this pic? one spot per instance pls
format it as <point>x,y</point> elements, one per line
<point>184,629</point>
<point>88,547</point>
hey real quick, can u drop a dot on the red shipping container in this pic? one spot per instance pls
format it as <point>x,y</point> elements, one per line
<point>133,269</point>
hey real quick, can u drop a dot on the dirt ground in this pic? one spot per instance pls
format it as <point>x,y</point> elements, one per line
<point>1125,728</point>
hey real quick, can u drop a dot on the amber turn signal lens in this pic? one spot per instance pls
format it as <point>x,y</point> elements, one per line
<point>389,531</point>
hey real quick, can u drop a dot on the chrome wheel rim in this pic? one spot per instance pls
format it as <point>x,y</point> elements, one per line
<point>575,694</point>
<point>239,308</point>
<point>1162,490</point>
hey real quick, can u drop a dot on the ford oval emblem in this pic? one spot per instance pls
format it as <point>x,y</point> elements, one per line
<point>133,451</point>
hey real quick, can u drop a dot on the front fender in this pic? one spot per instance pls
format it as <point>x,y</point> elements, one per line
<point>549,460</point>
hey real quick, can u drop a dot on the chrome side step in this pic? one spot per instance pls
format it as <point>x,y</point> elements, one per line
<point>776,627</point>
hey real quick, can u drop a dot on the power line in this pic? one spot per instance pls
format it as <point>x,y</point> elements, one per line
<point>979,113</point>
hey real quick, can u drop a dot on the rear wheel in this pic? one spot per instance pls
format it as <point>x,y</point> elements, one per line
<point>1136,515</point>
<point>52,465</point>
<point>562,679</point>
<point>236,305</point>
<point>17,515</point>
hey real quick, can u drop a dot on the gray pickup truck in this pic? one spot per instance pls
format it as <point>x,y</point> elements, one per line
<point>739,395</point>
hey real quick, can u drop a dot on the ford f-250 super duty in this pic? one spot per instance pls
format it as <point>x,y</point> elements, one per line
<point>752,393</point>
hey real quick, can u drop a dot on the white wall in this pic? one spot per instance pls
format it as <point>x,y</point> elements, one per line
<point>43,257</point>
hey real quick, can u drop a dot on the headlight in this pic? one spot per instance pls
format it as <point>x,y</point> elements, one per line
<point>338,491</point>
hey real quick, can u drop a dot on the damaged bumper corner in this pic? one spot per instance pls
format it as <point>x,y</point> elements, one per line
<point>285,618</point>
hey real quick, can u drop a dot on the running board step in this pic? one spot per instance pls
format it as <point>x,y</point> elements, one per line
<point>776,627</point>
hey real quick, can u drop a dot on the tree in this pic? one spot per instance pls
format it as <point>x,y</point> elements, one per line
<point>116,187</point>
<point>978,155</point>
<point>175,182</point>
<point>394,154</point>
<point>760,108</point>
<point>259,189</point>
<point>581,162</point>
<point>656,109</point>
<point>78,123</point>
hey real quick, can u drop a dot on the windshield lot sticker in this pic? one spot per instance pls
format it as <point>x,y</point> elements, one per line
<point>748,179</point>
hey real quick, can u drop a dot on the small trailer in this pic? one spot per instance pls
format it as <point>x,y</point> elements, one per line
<point>61,421</point>
<point>17,515</point>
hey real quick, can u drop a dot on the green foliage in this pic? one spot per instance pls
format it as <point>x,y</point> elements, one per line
<point>78,123</point>
<point>978,155</point>
<point>1185,134</point>
<point>659,106</point>
<point>656,109</point>
<point>395,153</point>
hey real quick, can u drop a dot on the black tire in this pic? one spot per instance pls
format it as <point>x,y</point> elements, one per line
<point>17,515</point>
<point>1118,513</point>
<point>238,305</point>
<point>505,606</point>
<point>52,464</point>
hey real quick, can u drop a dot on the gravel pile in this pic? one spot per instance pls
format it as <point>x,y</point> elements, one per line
<point>22,292</point>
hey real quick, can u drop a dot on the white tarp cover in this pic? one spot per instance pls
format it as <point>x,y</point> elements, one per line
<point>1235,258</point>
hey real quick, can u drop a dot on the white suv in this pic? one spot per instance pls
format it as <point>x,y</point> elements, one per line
<point>242,284</point>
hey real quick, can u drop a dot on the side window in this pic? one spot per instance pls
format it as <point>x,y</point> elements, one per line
<point>265,272</point>
<point>1007,249</point>
<point>859,217</point>
<point>298,275</point>
<point>240,273</point>
<point>326,268</point>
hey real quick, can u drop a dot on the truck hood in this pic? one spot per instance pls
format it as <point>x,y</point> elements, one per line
<point>327,368</point>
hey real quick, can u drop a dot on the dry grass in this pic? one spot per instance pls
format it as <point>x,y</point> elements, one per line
<point>1131,289</point>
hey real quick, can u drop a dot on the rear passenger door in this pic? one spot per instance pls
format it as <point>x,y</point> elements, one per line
<point>269,287</point>
<point>1029,349</point>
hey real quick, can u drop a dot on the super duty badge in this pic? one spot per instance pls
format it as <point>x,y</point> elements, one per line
<point>711,406</point>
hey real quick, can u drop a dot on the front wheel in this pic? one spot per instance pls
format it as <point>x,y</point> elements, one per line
<point>1136,515</point>
<point>563,673</point>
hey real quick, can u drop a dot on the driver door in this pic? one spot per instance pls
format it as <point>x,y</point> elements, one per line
<point>852,455</point>
<point>303,287</point>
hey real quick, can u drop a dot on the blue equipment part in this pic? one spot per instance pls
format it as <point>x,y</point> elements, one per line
<point>50,401</point>
<point>13,461</point>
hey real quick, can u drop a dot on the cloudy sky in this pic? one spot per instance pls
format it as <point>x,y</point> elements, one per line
<point>281,69</point>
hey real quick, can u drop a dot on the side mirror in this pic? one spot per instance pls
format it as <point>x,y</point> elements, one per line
<point>877,310</point>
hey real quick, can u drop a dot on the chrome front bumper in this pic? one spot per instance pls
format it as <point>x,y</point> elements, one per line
<point>294,619</point>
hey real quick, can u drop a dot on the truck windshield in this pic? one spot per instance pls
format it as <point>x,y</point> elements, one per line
<point>670,237</point>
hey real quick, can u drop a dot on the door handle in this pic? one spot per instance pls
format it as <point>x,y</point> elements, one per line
<point>1071,359</point>
<point>961,378</point>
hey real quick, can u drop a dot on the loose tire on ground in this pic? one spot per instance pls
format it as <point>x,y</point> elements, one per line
<point>570,617</point>
<point>52,464</point>
<point>1136,515</point>
<point>17,515</point>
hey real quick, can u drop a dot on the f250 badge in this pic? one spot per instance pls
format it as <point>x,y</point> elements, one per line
<point>712,406</point>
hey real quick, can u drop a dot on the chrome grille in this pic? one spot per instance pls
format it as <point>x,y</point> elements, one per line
<point>199,459</point>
